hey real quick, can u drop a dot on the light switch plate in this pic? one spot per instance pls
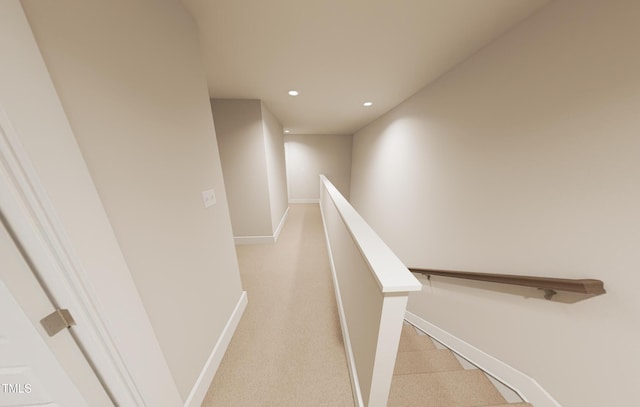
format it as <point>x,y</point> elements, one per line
<point>209,198</point>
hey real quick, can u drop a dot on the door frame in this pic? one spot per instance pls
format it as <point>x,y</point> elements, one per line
<point>32,221</point>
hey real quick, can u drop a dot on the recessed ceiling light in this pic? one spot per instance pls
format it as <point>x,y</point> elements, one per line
<point>367,104</point>
<point>293,93</point>
<point>287,131</point>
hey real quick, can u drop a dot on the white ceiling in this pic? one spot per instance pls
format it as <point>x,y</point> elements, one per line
<point>341,53</point>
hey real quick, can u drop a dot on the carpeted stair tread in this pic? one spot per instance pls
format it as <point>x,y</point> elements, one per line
<point>426,361</point>
<point>409,330</point>
<point>412,342</point>
<point>462,388</point>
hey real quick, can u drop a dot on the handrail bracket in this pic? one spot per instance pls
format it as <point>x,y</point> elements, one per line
<point>549,293</point>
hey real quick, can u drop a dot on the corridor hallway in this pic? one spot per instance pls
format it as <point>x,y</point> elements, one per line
<point>288,348</point>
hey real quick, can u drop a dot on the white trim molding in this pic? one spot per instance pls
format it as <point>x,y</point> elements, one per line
<point>367,278</point>
<point>200,388</point>
<point>526,387</point>
<point>276,234</point>
<point>388,270</point>
<point>241,240</point>
<point>31,217</point>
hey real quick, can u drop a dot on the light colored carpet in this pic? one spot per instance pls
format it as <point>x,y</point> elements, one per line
<point>458,388</point>
<point>287,350</point>
<point>426,362</point>
<point>430,376</point>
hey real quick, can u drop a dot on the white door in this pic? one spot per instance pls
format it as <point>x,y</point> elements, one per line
<point>35,369</point>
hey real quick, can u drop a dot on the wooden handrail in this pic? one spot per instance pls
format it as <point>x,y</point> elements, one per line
<point>583,286</point>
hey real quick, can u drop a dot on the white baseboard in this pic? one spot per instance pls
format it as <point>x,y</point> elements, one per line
<point>276,234</point>
<point>355,383</point>
<point>200,388</point>
<point>304,201</point>
<point>526,387</point>
<point>263,239</point>
<point>254,239</point>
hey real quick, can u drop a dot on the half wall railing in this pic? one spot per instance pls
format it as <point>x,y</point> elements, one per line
<point>372,287</point>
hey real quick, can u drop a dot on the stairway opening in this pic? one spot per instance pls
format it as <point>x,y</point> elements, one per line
<point>429,373</point>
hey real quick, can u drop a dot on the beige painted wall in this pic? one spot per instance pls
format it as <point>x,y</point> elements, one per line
<point>131,80</point>
<point>239,130</point>
<point>308,156</point>
<point>252,153</point>
<point>28,97</point>
<point>276,170</point>
<point>524,160</point>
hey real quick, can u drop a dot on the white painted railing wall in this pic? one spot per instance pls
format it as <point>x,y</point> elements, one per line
<point>372,287</point>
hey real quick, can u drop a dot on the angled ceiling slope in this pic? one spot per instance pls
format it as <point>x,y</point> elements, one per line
<point>341,53</point>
